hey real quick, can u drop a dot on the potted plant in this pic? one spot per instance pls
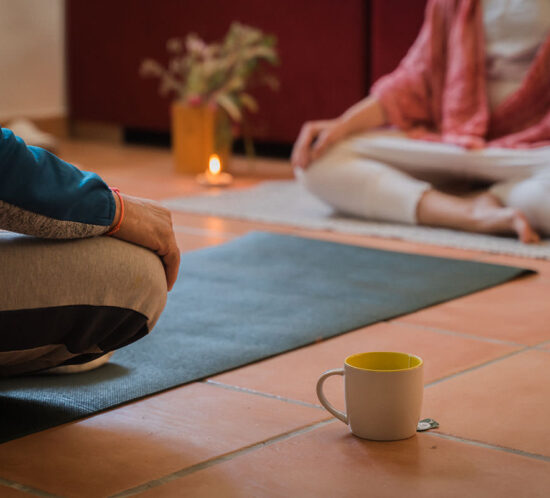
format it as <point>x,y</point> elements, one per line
<point>211,82</point>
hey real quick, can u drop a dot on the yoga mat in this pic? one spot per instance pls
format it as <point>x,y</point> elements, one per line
<point>288,203</point>
<point>240,302</point>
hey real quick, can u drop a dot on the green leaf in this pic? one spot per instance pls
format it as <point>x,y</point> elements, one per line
<point>249,102</point>
<point>229,106</point>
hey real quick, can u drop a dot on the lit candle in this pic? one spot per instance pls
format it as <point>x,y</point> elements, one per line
<point>214,176</point>
<point>214,165</point>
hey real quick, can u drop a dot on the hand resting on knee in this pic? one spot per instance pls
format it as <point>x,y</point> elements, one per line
<point>148,224</point>
<point>317,136</point>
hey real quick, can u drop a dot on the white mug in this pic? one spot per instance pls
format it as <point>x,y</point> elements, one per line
<point>383,393</point>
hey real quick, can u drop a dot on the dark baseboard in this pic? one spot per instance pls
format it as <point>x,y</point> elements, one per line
<point>140,136</point>
<point>277,150</point>
<point>262,148</point>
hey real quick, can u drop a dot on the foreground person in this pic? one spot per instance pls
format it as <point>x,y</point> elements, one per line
<point>66,305</point>
<point>470,102</point>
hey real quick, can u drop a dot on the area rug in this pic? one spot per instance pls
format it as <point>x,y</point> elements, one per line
<point>288,203</point>
<point>240,302</point>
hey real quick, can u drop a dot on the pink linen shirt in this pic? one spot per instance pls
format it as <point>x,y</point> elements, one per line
<point>438,91</point>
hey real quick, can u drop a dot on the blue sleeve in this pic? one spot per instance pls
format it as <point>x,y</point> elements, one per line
<point>35,181</point>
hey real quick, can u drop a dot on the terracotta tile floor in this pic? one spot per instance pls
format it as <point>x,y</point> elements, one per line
<point>11,492</point>
<point>259,431</point>
<point>327,461</point>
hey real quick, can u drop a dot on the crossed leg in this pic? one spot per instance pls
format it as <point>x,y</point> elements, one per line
<point>68,303</point>
<point>388,177</point>
<point>481,213</point>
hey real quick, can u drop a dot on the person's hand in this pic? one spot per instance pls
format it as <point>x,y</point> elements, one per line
<point>314,139</point>
<point>148,224</point>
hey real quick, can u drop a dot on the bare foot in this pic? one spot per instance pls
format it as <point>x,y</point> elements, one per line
<point>481,213</point>
<point>524,230</point>
<point>490,216</point>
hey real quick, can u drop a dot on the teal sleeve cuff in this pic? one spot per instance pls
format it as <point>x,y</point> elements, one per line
<point>33,179</point>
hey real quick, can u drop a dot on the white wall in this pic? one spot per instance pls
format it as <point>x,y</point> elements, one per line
<point>32,58</point>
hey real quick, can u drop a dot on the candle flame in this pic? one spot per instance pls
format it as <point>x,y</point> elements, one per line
<point>214,164</point>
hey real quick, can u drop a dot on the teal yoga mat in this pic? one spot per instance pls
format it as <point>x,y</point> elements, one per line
<point>252,298</point>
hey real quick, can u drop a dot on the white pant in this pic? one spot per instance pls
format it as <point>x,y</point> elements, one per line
<point>382,175</point>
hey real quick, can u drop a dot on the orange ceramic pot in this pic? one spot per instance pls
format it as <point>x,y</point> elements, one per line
<point>198,132</point>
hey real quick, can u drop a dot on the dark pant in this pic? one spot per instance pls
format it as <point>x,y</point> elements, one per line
<point>70,302</point>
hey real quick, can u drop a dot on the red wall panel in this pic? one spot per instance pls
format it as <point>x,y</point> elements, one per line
<point>394,27</point>
<point>323,47</point>
<point>330,52</point>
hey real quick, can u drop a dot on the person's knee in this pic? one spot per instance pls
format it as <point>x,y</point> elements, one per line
<point>110,273</point>
<point>141,278</point>
<point>155,280</point>
<point>135,292</point>
<point>532,197</point>
<point>72,301</point>
<point>324,173</point>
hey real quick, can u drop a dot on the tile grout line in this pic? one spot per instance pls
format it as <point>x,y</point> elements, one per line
<point>481,444</point>
<point>312,405</point>
<point>490,362</point>
<point>406,324</point>
<point>220,459</point>
<point>477,367</point>
<point>203,231</point>
<point>429,384</point>
<point>235,454</point>
<point>27,489</point>
<point>38,492</point>
<point>230,387</point>
<point>541,345</point>
<point>305,231</point>
<point>229,456</point>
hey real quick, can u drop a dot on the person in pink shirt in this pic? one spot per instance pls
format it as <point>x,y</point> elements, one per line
<point>468,106</point>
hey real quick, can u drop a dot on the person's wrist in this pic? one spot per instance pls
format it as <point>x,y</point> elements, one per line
<point>343,124</point>
<point>119,212</point>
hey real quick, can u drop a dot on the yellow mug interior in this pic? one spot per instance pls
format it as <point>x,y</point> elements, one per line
<point>384,361</point>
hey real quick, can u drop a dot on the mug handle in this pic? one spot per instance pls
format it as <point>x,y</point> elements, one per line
<point>337,413</point>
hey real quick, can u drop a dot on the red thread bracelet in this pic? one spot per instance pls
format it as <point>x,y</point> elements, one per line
<point>116,228</point>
